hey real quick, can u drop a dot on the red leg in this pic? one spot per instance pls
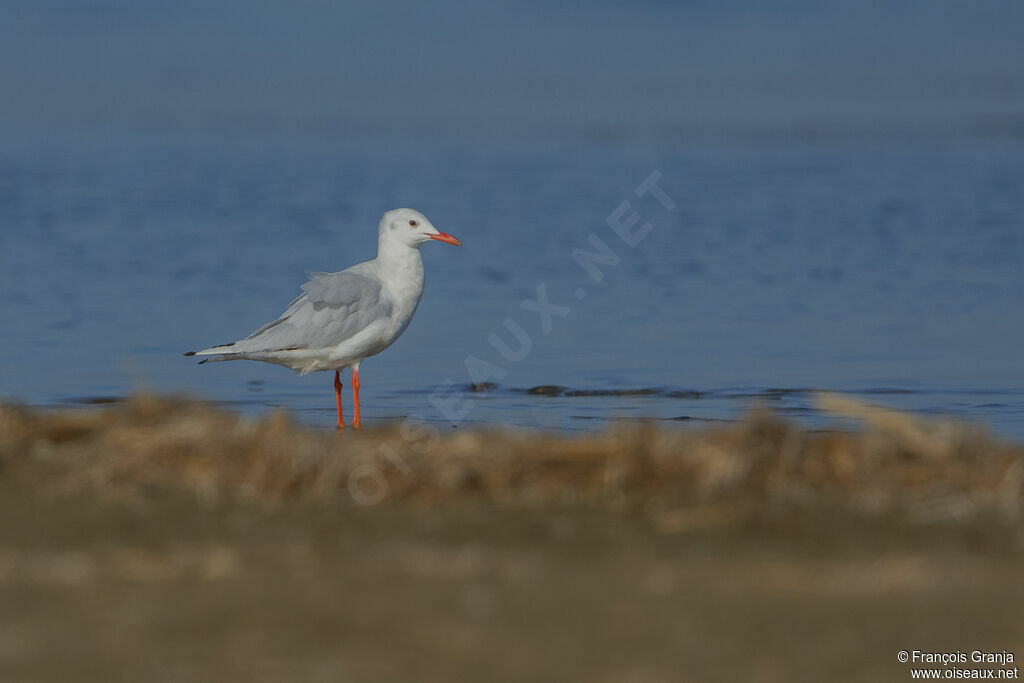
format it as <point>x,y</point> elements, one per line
<point>337,395</point>
<point>355,395</point>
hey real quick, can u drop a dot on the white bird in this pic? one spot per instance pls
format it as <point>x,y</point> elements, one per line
<point>342,318</point>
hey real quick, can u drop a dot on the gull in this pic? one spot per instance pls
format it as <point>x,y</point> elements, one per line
<point>342,318</point>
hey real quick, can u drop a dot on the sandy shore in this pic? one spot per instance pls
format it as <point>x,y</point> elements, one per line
<point>163,539</point>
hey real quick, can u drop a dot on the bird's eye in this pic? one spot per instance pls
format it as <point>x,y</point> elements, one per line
<point>413,223</point>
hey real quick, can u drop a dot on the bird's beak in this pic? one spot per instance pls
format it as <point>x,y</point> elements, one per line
<point>446,238</point>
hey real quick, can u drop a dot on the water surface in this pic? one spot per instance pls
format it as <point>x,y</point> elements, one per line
<point>845,182</point>
<point>886,268</point>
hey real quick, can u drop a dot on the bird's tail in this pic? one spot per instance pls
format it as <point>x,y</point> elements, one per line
<point>222,351</point>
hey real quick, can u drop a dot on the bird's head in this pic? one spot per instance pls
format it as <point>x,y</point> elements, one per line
<point>411,228</point>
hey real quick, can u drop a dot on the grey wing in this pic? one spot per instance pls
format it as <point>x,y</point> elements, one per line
<point>332,308</point>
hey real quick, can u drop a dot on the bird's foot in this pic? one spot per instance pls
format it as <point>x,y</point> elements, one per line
<point>341,427</point>
<point>357,425</point>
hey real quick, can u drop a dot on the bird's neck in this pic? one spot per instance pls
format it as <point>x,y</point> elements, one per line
<point>401,266</point>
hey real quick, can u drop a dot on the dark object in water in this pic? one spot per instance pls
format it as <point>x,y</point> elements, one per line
<point>547,390</point>
<point>556,390</point>
<point>612,392</point>
<point>96,400</point>
<point>686,394</point>
<point>481,387</point>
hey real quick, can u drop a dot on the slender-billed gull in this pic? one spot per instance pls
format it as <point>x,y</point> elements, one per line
<point>341,318</point>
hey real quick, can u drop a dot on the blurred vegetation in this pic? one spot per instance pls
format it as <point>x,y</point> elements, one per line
<point>162,539</point>
<point>897,468</point>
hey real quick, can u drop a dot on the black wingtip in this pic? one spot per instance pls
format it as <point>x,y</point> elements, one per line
<point>205,360</point>
<point>190,353</point>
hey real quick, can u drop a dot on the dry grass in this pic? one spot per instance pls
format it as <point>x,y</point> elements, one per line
<point>898,466</point>
<point>754,551</point>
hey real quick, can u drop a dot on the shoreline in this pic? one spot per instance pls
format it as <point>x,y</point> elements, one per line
<point>169,540</point>
<point>896,467</point>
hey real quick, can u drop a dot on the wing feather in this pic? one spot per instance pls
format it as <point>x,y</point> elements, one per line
<point>331,308</point>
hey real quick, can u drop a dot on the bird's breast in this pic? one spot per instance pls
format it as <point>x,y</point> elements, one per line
<point>403,285</point>
<point>402,312</point>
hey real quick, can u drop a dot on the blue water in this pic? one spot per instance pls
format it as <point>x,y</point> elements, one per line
<point>865,237</point>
